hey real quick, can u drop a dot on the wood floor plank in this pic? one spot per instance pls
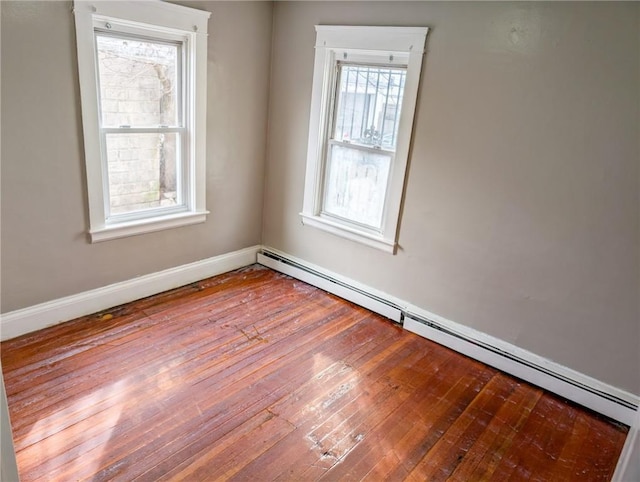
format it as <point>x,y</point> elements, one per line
<point>255,390</point>
<point>341,349</point>
<point>442,459</point>
<point>489,448</point>
<point>417,423</point>
<point>328,399</point>
<point>98,346</point>
<point>253,375</point>
<point>135,358</point>
<point>317,375</point>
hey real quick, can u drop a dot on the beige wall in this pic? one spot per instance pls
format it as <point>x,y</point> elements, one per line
<point>521,214</point>
<point>45,252</point>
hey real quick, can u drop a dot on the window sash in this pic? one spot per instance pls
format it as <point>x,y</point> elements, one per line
<point>339,73</point>
<point>181,129</point>
<point>372,229</point>
<point>182,175</point>
<point>331,140</point>
<point>154,36</point>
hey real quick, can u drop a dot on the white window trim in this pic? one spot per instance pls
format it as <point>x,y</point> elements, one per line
<point>185,22</point>
<point>397,45</point>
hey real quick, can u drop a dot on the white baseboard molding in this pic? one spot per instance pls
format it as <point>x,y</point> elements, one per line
<point>568,383</point>
<point>628,467</point>
<point>27,320</point>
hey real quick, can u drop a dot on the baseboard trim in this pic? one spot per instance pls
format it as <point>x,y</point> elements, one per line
<point>570,384</point>
<point>27,320</point>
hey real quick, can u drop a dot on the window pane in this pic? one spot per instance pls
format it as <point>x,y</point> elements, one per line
<point>368,105</point>
<point>139,83</point>
<point>355,185</point>
<point>142,170</point>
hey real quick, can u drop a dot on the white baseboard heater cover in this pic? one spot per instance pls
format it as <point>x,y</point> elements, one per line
<point>582,389</point>
<point>601,401</point>
<point>332,285</point>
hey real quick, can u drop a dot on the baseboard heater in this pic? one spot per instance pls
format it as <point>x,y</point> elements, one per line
<point>548,375</point>
<point>328,283</point>
<point>601,401</point>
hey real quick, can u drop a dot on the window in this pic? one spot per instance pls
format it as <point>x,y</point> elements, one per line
<point>365,87</point>
<point>142,68</point>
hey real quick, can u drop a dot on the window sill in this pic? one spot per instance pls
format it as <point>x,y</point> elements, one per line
<point>141,226</point>
<point>348,232</point>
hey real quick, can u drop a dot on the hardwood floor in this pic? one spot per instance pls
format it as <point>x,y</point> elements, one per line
<point>253,375</point>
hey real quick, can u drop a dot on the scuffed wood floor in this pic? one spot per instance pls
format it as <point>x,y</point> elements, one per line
<point>255,376</point>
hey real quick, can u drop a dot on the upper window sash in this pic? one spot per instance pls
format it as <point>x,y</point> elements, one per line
<point>368,72</point>
<point>116,30</point>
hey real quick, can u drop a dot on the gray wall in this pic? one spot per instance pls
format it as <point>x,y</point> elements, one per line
<point>521,215</point>
<point>45,251</point>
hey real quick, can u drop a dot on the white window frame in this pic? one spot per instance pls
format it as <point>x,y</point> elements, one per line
<point>388,46</point>
<point>163,21</point>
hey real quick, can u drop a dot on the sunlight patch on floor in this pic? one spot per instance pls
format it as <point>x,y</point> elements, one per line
<point>94,438</point>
